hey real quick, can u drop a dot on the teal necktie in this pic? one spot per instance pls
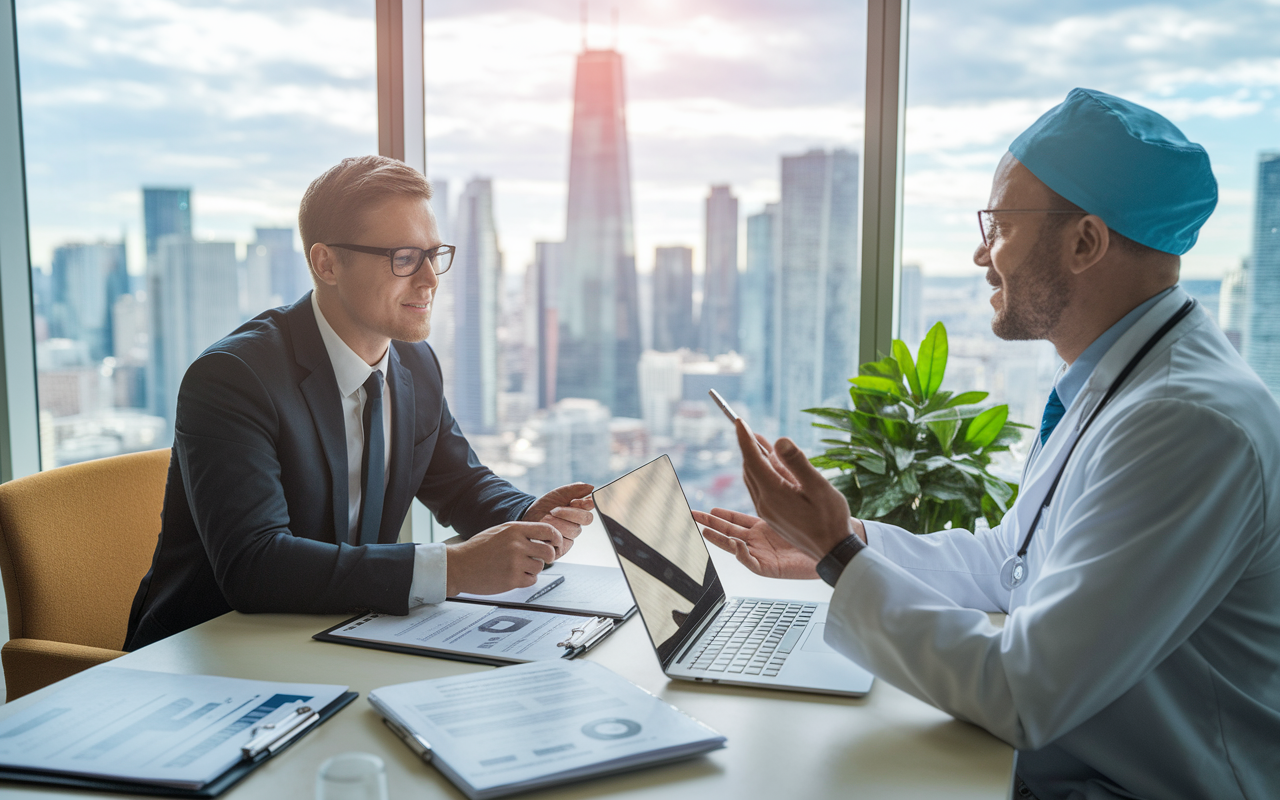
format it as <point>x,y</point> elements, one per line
<point>1053,412</point>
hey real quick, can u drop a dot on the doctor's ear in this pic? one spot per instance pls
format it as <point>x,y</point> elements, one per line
<point>1089,240</point>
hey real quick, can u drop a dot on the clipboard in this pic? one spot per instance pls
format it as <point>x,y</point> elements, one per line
<point>222,783</point>
<point>579,646</point>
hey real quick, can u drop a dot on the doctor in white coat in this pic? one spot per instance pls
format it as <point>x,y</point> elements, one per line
<point>1141,652</point>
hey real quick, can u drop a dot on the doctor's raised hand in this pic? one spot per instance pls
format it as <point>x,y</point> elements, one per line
<point>802,515</point>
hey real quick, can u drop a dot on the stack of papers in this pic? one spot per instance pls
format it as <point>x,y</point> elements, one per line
<point>524,727</point>
<point>179,731</point>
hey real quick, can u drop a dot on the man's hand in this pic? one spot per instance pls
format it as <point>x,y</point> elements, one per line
<point>502,558</point>
<point>567,509</point>
<point>755,544</point>
<point>793,497</point>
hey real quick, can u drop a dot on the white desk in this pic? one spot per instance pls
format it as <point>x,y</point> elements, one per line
<point>781,744</point>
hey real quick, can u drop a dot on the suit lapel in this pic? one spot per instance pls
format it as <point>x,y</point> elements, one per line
<point>320,388</point>
<point>403,418</point>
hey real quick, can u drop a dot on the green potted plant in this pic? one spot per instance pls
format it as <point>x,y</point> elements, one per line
<point>915,456</point>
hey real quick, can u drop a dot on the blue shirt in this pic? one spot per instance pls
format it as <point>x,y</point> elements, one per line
<point>1073,380</point>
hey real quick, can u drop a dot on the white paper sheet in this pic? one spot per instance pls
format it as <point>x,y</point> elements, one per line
<point>507,634</point>
<point>510,729</point>
<point>546,582</point>
<point>588,589</point>
<point>175,730</point>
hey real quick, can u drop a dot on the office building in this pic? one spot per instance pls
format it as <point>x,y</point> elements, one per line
<point>1262,334</point>
<point>755,312</point>
<point>673,326</point>
<point>165,212</point>
<point>440,207</point>
<point>599,344</point>
<point>661,384</point>
<point>477,274</point>
<point>1233,304</point>
<point>911,327</point>
<point>85,281</point>
<point>276,272</point>
<point>817,289</point>
<point>194,300</point>
<point>542,325</point>
<point>718,321</point>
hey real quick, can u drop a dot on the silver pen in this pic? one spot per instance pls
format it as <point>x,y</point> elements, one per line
<point>420,747</point>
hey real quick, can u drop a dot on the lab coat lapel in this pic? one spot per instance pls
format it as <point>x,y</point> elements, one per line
<point>1049,462</point>
<point>403,418</point>
<point>320,388</point>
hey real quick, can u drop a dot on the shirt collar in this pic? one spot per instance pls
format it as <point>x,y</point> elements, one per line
<point>1073,379</point>
<point>349,368</point>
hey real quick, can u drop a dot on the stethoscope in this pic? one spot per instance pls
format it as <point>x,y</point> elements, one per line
<point>1014,570</point>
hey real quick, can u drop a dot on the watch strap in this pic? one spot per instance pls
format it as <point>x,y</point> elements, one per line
<point>832,565</point>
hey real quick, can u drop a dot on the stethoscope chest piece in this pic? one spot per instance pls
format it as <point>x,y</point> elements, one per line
<point>1013,572</point>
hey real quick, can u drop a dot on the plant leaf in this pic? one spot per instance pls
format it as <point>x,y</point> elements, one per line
<point>878,385</point>
<point>945,430</point>
<point>966,398</point>
<point>931,363</point>
<point>999,491</point>
<point>956,413</point>
<point>986,426</point>
<point>903,356</point>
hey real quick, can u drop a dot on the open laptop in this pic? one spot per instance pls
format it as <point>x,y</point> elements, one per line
<point>698,633</point>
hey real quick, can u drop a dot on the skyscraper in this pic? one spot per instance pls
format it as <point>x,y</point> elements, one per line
<point>195,303</point>
<point>476,285</point>
<point>599,346</point>
<point>718,321</point>
<point>86,279</point>
<point>1233,304</point>
<point>275,272</point>
<point>1262,334</point>
<point>542,327</point>
<point>817,291</point>
<point>911,305</point>
<point>673,299</point>
<point>166,212</point>
<point>755,311</point>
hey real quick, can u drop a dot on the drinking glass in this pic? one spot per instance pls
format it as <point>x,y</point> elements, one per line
<point>352,776</point>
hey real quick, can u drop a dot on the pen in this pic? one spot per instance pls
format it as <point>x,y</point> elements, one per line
<point>559,580</point>
<point>275,735</point>
<point>733,417</point>
<point>420,747</point>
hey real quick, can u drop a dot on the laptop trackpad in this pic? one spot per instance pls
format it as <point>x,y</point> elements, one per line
<point>814,642</point>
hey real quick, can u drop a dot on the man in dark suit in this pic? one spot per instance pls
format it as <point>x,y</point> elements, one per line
<point>301,439</point>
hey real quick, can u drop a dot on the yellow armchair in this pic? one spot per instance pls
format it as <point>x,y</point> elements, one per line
<point>74,544</point>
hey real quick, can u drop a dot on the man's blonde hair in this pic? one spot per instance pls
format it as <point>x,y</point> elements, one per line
<point>332,210</point>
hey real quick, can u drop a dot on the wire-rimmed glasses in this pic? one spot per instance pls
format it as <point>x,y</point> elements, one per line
<point>406,261</point>
<point>987,225</point>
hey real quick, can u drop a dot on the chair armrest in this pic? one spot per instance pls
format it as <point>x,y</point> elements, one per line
<point>31,664</point>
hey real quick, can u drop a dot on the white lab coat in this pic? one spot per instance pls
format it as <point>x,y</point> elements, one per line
<point>1141,657</point>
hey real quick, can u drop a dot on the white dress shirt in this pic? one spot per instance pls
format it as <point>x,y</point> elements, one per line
<point>351,371</point>
<point>1139,656</point>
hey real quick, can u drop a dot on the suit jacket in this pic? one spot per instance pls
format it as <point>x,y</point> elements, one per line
<point>255,509</point>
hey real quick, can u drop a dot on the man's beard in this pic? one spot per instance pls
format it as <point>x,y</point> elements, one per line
<point>1035,295</point>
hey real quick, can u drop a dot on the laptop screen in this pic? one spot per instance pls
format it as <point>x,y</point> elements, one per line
<point>661,551</point>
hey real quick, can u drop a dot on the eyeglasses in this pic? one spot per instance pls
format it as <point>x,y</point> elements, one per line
<point>988,225</point>
<point>406,261</point>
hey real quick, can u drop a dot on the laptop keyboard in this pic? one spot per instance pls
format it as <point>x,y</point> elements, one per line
<point>752,637</point>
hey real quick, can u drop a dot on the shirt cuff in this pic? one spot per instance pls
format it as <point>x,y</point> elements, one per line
<point>429,576</point>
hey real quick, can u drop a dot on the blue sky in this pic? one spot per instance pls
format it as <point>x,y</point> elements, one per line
<point>246,102</point>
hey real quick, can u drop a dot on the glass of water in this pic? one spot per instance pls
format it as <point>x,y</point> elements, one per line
<point>352,776</point>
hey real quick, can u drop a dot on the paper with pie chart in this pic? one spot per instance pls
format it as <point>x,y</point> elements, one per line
<point>522,727</point>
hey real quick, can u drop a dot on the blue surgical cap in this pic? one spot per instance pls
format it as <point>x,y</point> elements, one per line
<point>1124,163</point>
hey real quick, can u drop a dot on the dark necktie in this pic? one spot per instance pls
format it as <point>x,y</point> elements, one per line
<point>374,463</point>
<point>1053,412</point>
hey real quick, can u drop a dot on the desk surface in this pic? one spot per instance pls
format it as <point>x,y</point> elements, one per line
<point>781,744</point>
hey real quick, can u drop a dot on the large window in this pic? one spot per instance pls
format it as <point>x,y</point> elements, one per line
<point>646,207</point>
<point>168,145</point>
<point>981,72</point>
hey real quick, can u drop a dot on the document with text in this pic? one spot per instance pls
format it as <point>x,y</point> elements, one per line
<point>469,631</point>
<point>180,731</point>
<point>572,589</point>
<point>524,727</point>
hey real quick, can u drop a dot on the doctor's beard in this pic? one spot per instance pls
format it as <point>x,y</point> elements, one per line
<point>1035,294</point>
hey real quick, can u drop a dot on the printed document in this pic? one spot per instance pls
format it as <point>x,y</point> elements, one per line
<point>517,728</point>
<point>585,589</point>
<point>181,731</point>
<point>502,634</point>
